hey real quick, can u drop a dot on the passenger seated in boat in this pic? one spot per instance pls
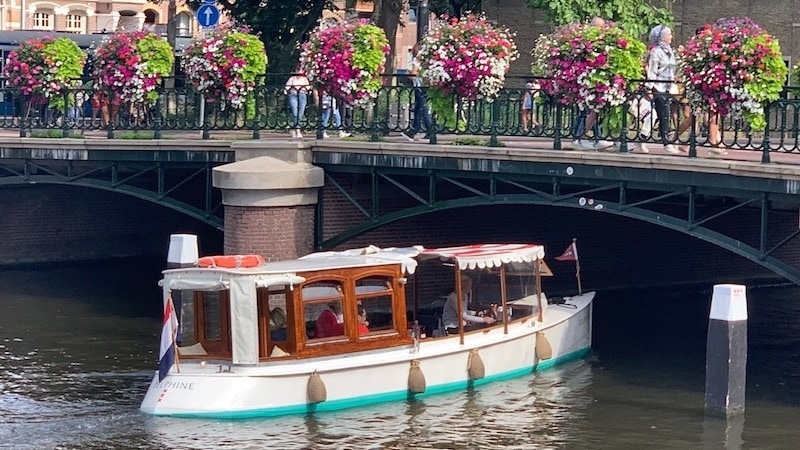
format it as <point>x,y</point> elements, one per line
<point>363,324</point>
<point>469,318</point>
<point>328,323</point>
<point>277,324</point>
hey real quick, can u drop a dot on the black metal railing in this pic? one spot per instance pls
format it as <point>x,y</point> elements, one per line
<point>391,111</point>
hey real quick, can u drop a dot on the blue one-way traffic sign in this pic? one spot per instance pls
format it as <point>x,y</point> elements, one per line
<point>207,15</point>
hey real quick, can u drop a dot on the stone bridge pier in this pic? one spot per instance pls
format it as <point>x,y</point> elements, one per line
<point>270,195</point>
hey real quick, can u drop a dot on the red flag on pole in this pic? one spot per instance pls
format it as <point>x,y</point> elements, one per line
<point>570,254</point>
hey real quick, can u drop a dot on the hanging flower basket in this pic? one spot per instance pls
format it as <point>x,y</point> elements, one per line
<point>733,67</point>
<point>45,68</point>
<point>589,66</point>
<point>346,60</point>
<point>225,64</point>
<point>468,58</point>
<point>131,66</point>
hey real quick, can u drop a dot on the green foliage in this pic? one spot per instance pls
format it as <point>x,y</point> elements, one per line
<point>282,25</point>
<point>768,76</point>
<point>251,49</point>
<point>636,17</point>
<point>444,106</point>
<point>69,58</point>
<point>369,43</point>
<point>159,57</point>
<point>473,141</point>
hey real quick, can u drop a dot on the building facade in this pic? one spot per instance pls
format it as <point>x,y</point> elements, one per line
<point>92,16</point>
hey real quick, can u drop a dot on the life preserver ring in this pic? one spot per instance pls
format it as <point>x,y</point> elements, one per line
<point>231,261</point>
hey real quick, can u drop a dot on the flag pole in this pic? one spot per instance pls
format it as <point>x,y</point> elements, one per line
<point>577,265</point>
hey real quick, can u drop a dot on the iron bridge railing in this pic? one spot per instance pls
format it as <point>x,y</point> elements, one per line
<point>181,108</point>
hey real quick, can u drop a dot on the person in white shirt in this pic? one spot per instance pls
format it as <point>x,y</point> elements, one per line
<point>469,318</point>
<point>297,89</point>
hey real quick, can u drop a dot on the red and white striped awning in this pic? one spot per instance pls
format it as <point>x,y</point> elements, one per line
<point>480,256</point>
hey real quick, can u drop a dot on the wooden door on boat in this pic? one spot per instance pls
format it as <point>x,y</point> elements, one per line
<point>213,323</point>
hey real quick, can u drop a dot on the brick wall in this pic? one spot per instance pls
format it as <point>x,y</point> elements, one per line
<point>66,223</point>
<point>776,16</point>
<point>276,233</point>
<point>615,251</point>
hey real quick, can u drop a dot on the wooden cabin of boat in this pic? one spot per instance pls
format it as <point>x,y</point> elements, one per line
<point>310,307</point>
<point>283,309</point>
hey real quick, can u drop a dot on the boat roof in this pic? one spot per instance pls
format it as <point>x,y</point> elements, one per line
<point>481,256</point>
<point>276,273</point>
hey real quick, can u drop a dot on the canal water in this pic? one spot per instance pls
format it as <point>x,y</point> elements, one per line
<point>78,348</point>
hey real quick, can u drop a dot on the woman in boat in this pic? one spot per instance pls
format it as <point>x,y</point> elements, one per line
<point>363,324</point>
<point>277,324</point>
<point>470,320</point>
<point>328,323</point>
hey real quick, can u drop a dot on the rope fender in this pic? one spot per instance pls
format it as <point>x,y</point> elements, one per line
<point>416,379</point>
<point>316,389</point>
<point>475,367</point>
<point>543,348</point>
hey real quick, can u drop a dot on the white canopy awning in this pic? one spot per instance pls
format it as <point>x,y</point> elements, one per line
<point>201,281</point>
<point>403,255</point>
<point>481,256</point>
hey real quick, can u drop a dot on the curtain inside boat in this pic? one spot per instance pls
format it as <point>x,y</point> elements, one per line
<point>244,321</point>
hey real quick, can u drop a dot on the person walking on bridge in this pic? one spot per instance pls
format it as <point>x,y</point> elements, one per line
<point>421,114</point>
<point>661,66</point>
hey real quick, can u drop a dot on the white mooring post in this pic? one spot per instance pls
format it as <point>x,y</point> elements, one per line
<point>182,251</point>
<point>726,351</point>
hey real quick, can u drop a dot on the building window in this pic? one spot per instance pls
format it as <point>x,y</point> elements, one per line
<point>75,23</point>
<point>42,20</point>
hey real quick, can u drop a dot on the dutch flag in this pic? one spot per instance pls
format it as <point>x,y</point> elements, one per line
<point>168,334</point>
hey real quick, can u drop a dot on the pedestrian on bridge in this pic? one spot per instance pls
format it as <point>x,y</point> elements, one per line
<point>661,67</point>
<point>297,89</point>
<point>421,114</point>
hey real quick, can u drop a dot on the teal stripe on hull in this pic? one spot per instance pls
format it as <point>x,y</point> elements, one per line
<point>384,397</point>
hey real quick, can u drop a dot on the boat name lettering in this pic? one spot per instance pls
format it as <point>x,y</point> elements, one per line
<point>177,385</point>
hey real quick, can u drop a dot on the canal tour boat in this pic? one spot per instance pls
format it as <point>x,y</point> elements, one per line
<point>333,330</point>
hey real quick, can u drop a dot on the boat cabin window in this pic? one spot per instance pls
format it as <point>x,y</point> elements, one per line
<point>374,305</point>
<point>322,309</point>
<point>274,321</point>
<point>204,322</point>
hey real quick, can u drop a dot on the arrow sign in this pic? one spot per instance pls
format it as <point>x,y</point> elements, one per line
<point>207,15</point>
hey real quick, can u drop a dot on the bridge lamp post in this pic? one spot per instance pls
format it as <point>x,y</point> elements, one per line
<point>423,18</point>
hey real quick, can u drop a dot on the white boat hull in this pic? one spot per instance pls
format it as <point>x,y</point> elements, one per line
<point>281,387</point>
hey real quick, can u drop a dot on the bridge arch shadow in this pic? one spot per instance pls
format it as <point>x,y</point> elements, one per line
<point>186,190</point>
<point>686,226</point>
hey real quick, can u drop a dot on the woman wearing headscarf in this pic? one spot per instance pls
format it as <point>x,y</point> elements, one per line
<point>661,67</point>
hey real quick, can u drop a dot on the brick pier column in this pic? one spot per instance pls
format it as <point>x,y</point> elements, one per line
<point>269,194</point>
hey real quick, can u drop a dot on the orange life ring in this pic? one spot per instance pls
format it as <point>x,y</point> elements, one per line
<point>231,261</point>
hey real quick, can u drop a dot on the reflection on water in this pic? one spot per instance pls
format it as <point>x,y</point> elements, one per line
<point>77,350</point>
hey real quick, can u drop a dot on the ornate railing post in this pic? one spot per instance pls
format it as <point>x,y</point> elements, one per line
<point>257,114</point>
<point>765,146</point>
<point>157,120</point>
<point>693,136</point>
<point>23,114</point>
<point>65,93</point>
<point>623,139</point>
<point>110,123</point>
<point>557,127</point>
<point>493,141</point>
<point>374,137</point>
<point>203,119</point>
<point>320,113</point>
